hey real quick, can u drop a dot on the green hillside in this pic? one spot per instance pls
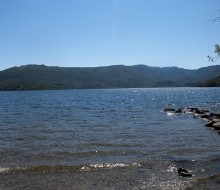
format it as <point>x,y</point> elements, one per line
<point>215,82</point>
<point>36,77</point>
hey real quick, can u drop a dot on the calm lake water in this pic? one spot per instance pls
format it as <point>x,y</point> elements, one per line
<point>107,139</point>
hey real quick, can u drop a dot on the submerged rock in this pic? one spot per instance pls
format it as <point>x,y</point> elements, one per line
<point>204,110</point>
<point>196,115</point>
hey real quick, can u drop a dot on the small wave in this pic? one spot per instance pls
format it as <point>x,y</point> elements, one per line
<point>58,168</point>
<point>109,166</point>
<point>4,169</point>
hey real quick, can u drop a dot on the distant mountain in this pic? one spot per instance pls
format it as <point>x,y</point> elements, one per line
<point>35,77</point>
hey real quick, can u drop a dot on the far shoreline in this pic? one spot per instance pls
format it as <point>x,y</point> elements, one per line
<point>28,90</point>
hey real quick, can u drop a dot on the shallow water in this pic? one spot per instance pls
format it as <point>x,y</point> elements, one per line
<point>107,139</point>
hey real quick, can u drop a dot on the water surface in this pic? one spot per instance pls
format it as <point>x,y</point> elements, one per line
<point>106,139</point>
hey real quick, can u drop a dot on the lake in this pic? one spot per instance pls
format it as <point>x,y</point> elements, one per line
<point>107,139</point>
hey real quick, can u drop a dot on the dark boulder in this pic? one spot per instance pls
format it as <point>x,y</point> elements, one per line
<point>216,126</point>
<point>184,173</point>
<point>195,110</point>
<point>179,110</point>
<point>217,114</point>
<point>205,116</point>
<point>209,124</point>
<point>212,118</point>
<point>169,110</point>
<point>192,109</point>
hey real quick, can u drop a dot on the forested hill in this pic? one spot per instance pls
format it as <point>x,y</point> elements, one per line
<point>35,77</point>
<point>215,82</point>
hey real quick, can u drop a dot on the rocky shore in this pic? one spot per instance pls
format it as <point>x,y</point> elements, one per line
<point>212,119</point>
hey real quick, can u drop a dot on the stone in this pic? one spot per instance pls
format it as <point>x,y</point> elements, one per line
<point>169,110</point>
<point>216,120</point>
<point>205,116</point>
<point>197,110</point>
<point>216,126</point>
<point>217,114</point>
<point>213,118</point>
<point>209,124</point>
<point>193,109</point>
<point>184,173</point>
<point>179,110</point>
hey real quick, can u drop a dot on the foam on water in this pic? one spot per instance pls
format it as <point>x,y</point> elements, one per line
<point>109,166</point>
<point>4,169</point>
<point>172,168</point>
<point>170,113</point>
<point>56,168</point>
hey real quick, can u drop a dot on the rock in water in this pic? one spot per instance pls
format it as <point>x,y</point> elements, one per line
<point>169,110</point>
<point>179,110</point>
<point>205,116</point>
<point>217,125</point>
<point>217,114</point>
<point>184,173</point>
<point>209,124</point>
<point>194,110</point>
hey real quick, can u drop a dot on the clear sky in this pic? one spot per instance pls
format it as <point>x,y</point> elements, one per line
<point>89,33</point>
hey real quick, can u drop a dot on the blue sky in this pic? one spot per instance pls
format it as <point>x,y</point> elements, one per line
<point>90,33</point>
